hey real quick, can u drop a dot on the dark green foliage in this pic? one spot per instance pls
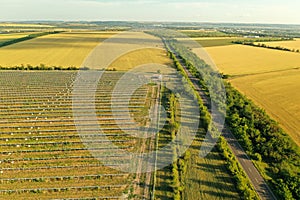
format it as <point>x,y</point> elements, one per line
<point>251,43</point>
<point>41,67</point>
<point>179,167</point>
<point>265,140</point>
<point>28,37</point>
<point>261,136</point>
<point>189,88</point>
<point>242,182</point>
<point>210,80</point>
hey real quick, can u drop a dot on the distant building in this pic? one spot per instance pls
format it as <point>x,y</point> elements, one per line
<point>251,36</point>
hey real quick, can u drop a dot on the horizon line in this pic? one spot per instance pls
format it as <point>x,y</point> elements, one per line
<point>149,21</point>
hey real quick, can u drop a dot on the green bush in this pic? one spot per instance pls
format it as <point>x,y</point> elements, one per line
<point>242,182</point>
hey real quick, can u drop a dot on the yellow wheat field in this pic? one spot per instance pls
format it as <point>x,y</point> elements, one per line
<point>128,50</point>
<point>63,49</point>
<point>278,93</point>
<point>271,78</point>
<point>295,44</point>
<point>71,49</point>
<point>242,59</point>
<point>141,57</point>
<point>10,36</point>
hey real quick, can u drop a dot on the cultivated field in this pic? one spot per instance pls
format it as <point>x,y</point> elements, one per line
<point>204,33</point>
<point>11,36</point>
<point>223,41</point>
<point>269,77</point>
<point>295,44</point>
<point>244,60</point>
<point>215,38</point>
<point>42,155</point>
<point>64,49</point>
<point>206,178</point>
<point>141,57</point>
<point>216,41</point>
<point>278,94</point>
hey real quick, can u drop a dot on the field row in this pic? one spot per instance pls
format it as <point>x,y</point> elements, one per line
<point>43,154</point>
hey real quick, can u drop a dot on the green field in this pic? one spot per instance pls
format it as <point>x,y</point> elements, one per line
<point>215,42</point>
<point>204,33</point>
<point>205,178</point>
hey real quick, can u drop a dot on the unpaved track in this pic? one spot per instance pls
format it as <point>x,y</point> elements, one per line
<point>142,182</point>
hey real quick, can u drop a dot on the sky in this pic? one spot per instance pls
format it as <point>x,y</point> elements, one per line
<point>240,11</point>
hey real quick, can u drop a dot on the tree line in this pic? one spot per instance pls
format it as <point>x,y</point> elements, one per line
<point>251,43</point>
<point>28,37</point>
<point>266,142</point>
<point>179,166</point>
<point>40,67</point>
<point>260,136</point>
<point>243,184</point>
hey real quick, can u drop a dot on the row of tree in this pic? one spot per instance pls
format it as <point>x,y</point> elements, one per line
<point>265,141</point>
<point>174,127</point>
<point>250,43</point>
<point>242,182</point>
<point>28,37</point>
<point>179,166</point>
<point>261,136</point>
<point>188,86</point>
<point>41,67</point>
<point>210,79</point>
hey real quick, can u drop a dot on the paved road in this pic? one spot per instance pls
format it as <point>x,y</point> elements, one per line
<point>257,180</point>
